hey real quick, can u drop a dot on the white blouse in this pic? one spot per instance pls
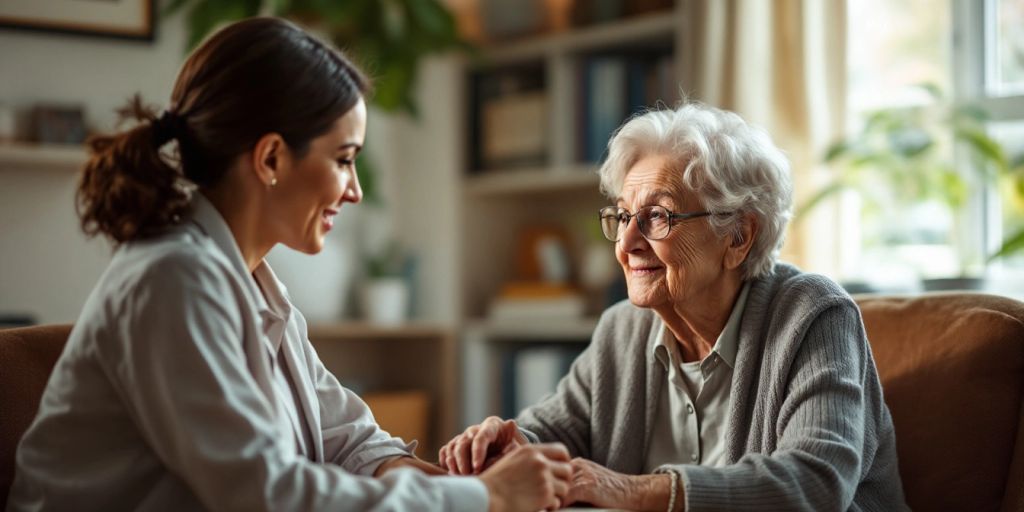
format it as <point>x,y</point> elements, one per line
<point>184,387</point>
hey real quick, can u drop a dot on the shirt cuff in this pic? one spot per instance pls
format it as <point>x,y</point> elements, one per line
<point>530,436</point>
<point>463,493</point>
<point>367,461</point>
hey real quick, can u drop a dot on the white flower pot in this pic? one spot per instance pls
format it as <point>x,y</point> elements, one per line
<point>385,300</point>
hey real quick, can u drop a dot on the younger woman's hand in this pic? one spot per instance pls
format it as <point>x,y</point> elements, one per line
<point>529,478</point>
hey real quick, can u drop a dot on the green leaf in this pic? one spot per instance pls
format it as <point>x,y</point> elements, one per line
<point>1017,163</point>
<point>367,173</point>
<point>394,85</point>
<point>910,142</point>
<point>973,113</point>
<point>837,150</point>
<point>432,17</point>
<point>174,6</point>
<point>1011,245</point>
<point>932,89</point>
<point>881,121</point>
<point>205,16</point>
<point>828,191</point>
<point>280,7</point>
<point>432,26</point>
<point>983,146</point>
<point>952,188</point>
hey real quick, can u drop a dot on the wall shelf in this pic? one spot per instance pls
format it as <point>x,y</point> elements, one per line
<point>53,157</point>
<point>520,181</point>
<point>647,27</point>
<point>532,331</point>
<point>341,331</point>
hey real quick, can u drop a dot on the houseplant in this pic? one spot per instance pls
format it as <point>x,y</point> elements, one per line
<point>384,295</point>
<point>902,160</point>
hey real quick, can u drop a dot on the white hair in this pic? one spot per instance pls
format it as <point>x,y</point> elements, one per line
<point>731,166</point>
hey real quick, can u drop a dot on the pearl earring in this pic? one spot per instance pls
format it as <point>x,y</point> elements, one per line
<point>273,182</point>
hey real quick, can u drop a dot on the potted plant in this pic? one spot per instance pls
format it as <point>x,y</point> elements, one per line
<point>901,164</point>
<point>384,295</point>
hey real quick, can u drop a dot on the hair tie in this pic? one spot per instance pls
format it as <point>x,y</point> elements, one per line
<point>166,127</point>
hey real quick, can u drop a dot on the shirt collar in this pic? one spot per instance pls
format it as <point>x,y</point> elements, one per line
<point>267,292</point>
<point>726,345</point>
<point>210,221</point>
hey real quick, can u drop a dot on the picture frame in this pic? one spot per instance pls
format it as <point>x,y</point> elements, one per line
<point>58,124</point>
<point>122,19</point>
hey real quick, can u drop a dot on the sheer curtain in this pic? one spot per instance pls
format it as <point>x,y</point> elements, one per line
<point>780,64</point>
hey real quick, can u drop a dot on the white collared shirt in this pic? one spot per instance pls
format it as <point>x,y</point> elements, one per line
<point>189,383</point>
<point>694,399</point>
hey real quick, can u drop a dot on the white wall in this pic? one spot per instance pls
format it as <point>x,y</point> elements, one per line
<point>425,187</point>
<point>47,267</point>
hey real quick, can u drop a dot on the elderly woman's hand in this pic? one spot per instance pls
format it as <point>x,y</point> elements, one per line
<point>599,486</point>
<point>480,446</point>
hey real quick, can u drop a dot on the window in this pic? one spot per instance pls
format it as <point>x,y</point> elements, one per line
<point>971,54</point>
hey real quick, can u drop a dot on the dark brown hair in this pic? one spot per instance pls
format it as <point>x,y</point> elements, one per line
<point>254,77</point>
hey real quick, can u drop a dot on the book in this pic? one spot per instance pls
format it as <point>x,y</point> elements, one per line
<point>533,372</point>
<point>509,117</point>
<point>605,93</point>
<point>615,86</point>
<point>506,309</point>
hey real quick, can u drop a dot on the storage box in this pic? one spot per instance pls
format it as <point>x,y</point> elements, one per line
<point>404,414</point>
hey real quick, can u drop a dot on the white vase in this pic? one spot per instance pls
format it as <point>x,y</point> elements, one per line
<point>385,300</point>
<point>599,266</point>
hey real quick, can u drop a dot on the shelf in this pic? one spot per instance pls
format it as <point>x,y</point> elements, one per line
<point>519,181</point>
<point>539,330</point>
<point>648,27</point>
<point>360,331</point>
<point>57,157</point>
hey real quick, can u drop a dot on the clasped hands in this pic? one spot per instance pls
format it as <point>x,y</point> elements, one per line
<point>482,449</point>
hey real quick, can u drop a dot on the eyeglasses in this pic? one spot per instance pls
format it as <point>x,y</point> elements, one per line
<point>654,221</point>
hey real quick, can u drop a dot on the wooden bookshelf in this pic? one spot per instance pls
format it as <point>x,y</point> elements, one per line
<point>498,201</point>
<point>625,32</point>
<point>528,332</point>
<point>525,181</point>
<point>47,157</point>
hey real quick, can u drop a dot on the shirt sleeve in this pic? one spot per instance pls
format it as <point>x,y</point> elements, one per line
<point>351,436</point>
<point>179,363</point>
<point>820,429</point>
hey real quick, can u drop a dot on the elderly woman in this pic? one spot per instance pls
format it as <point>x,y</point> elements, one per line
<point>728,380</point>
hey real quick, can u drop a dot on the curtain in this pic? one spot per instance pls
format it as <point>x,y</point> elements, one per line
<point>780,64</point>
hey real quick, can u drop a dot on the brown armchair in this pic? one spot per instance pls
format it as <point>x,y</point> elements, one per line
<point>27,356</point>
<point>952,370</point>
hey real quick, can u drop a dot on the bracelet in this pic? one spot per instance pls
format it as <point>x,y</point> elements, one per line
<point>672,491</point>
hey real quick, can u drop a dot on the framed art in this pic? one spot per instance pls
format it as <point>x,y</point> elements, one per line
<point>126,19</point>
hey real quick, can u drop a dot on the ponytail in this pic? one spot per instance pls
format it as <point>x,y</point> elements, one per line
<point>127,190</point>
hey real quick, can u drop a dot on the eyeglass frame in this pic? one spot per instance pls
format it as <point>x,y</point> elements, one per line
<point>672,216</point>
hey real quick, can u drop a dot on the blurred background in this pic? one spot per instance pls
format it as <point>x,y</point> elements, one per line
<point>474,271</point>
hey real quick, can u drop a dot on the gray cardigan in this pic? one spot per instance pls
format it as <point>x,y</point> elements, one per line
<point>807,428</point>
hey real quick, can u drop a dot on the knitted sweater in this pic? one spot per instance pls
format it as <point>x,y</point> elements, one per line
<point>807,428</point>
